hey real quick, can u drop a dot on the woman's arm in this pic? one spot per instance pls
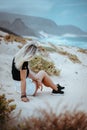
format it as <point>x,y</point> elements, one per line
<point>23,85</point>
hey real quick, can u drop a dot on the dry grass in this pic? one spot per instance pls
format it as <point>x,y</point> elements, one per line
<point>11,38</point>
<point>82,51</point>
<point>72,57</point>
<point>42,51</point>
<point>76,120</point>
<point>5,108</point>
<point>39,63</point>
<point>52,121</point>
<point>50,49</point>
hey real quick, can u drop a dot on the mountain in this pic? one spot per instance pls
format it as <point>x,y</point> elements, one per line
<point>17,27</point>
<point>20,28</point>
<point>30,25</point>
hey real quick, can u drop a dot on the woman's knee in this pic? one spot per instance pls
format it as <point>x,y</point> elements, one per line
<point>42,72</point>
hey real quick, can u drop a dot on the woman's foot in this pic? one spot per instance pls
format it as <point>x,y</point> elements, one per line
<point>60,87</point>
<point>24,98</point>
<point>57,91</point>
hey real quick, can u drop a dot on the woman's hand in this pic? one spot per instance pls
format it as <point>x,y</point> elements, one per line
<point>24,98</point>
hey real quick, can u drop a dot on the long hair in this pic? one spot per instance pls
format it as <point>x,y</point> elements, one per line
<point>25,54</point>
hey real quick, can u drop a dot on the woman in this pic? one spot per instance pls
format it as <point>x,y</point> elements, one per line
<point>21,72</point>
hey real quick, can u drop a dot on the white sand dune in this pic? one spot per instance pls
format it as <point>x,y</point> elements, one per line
<point>73,76</point>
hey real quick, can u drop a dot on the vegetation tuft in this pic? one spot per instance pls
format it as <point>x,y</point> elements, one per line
<point>5,108</point>
<point>39,63</point>
<point>82,51</point>
<point>52,121</point>
<point>76,120</point>
<point>12,38</point>
<point>72,57</point>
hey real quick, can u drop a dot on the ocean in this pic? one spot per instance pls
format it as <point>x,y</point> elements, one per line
<point>76,41</point>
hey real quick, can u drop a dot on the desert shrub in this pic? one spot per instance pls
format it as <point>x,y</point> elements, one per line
<point>5,109</point>
<point>82,51</point>
<point>76,120</point>
<point>52,121</point>
<point>39,63</point>
<point>72,57</point>
<point>11,38</point>
<point>42,51</point>
<point>50,49</point>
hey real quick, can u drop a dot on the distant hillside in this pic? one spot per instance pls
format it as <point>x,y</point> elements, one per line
<point>7,31</point>
<point>31,26</point>
<point>17,27</point>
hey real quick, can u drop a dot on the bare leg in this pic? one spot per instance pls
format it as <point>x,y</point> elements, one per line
<point>46,80</point>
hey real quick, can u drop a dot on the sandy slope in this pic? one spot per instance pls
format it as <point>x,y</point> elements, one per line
<point>73,76</point>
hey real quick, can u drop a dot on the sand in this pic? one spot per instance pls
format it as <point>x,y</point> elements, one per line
<point>73,76</point>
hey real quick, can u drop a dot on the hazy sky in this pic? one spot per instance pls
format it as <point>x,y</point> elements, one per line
<point>63,12</point>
